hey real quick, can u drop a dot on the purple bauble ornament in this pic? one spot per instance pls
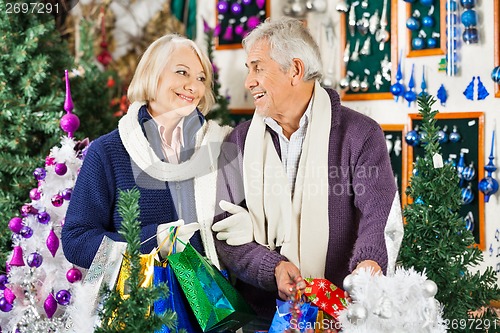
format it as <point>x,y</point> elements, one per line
<point>43,217</point>
<point>3,281</point>
<point>247,2</point>
<point>34,259</point>
<point>60,169</point>
<point>73,275</point>
<point>236,8</point>
<point>63,297</point>
<point>26,232</point>
<point>50,305</point>
<point>28,209</point>
<point>57,200</point>
<point>35,194</point>
<point>222,7</point>
<point>39,173</point>
<point>4,305</point>
<point>16,224</point>
<point>69,123</point>
<point>16,238</point>
<point>66,193</point>
<point>253,22</point>
<point>52,242</point>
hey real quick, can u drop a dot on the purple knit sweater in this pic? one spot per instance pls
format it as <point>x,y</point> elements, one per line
<point>362,189</point>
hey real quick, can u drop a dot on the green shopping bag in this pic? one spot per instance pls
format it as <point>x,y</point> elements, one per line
<point>216,304</point>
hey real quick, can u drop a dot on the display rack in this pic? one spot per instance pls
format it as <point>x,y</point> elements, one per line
<point>369,65</point>
<point>470,126</point>
<point>438,30</point>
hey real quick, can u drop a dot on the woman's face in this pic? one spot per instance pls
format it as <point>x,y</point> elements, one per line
<point>181,85</point>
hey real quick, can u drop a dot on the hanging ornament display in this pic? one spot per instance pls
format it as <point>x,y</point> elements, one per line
<point>236,18</point>
<point>455,135</point>
<point>410,95</point>
<point>442,95</point>
<point>398,89</point>
<point>469,20</point>
<point>452,38</point>
<point>489,185</point>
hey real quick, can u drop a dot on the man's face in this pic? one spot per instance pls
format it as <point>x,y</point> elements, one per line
<point>268,84</point>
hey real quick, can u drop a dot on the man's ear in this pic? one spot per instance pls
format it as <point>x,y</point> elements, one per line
<point>297,71</point>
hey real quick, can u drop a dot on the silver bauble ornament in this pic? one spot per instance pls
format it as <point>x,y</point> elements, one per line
<point>348,283</point>
<point>344,83</point>
<point>430,288</point>
<point>356,313</point>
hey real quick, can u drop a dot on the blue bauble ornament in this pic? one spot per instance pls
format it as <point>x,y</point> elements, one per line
<point>432,43</point>
<point>467,195</point>
<point>413,24</point>
<point>451,6</point>
<point>397,89</point>
<point>469,173</point>
<point>495,74</point>
<point>419,201</point>
<point>443,135</point>
<point>427,2</point>
<point>470,36</point>
<point>454,135</point>
<point>468,4</point>
<point>417,43</point>
<point>469,18</point>
<point>428,21</point>
<point>412,138</point>
<point>489,186</point>
<point>469,222</point>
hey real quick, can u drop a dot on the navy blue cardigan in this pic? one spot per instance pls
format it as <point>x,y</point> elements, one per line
<point>107,168</point>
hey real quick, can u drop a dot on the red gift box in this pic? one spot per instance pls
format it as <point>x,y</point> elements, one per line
<point>325,295</point>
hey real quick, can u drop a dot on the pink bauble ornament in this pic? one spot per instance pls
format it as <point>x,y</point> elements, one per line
<point>52,242</point>
<point>50,305</point>
<point>16,224</point>
<point>28,209</point>
<point>239,30</point>
<point>253,22</point>
<point>9,295</point>
<point>60,169</point>
<point>57,200</point>
<point>73,275</point>
<point>49,160</point>
<point>35,194</point>
<point>17,257</point>
<point>260,3</point>
<point>63,297</point>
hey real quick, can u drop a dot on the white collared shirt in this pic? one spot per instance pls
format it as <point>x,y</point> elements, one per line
<point>291,149</point>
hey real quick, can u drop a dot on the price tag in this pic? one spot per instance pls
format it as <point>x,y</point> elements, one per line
<point>437,160</point>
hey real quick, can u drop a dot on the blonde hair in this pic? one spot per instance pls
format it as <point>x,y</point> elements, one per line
<point>144,84</point>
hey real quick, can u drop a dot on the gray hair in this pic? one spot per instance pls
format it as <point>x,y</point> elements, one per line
<point>288,38</point>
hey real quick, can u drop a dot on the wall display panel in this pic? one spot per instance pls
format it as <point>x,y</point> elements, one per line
<point>426,28</point>
<point>464,133</point>
<point>369,49</point>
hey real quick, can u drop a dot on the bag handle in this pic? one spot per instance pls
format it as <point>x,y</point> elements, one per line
<point>173,237</point>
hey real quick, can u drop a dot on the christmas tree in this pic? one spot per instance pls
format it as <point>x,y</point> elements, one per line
<point>436,240</point>
<point>32,61</point>
<point>38,286</point>
<point>220,111</point>
<point>132,314</point>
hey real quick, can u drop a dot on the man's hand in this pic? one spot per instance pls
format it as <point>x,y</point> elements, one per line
<point>369,264</point>
<point>236,229</point>
<point>288,279</point>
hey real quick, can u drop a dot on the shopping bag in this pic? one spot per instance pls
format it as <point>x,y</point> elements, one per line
<point>216,305</point>
<point>283,320</point>
<point>146,273</point>
<point>175,300</point>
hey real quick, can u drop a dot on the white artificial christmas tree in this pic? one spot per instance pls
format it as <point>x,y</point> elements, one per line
<point>38,286</point>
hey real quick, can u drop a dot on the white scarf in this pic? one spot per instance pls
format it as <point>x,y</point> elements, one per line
<point>299,225</point>
<point>202,166</point>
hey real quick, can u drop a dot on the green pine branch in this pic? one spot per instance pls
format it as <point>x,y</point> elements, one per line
<point>435,238</point>
<point>133,314</point>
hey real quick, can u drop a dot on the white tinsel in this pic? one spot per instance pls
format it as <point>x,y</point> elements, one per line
<point>399,303</point>
<point>32,285</point>
<point>81,312</point>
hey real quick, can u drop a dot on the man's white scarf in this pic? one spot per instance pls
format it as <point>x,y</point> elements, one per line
<point>300,224</point>
<point>202,166</point>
